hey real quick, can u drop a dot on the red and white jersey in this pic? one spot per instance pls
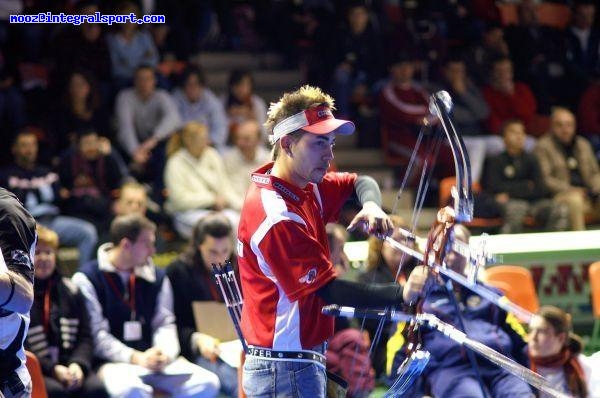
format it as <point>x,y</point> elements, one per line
<point>283,259</point>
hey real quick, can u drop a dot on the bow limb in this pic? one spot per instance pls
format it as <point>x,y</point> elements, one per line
<point>440,105</point>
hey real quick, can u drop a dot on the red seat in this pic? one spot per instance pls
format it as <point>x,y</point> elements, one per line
<point>37,378</point>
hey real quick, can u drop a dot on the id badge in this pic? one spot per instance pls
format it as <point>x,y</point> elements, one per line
<point>132,331</point>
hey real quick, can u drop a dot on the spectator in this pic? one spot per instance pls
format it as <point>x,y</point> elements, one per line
<point>506,98</point>
<point>569,167</point>
<point>385,264</point>
<point>132,199</point>
<point>59,332</point>
<point>80,109</point>
<point>83,48</point>
<point>357,56</point>
<point>40,190</point>
<point>196,102</point>
<point>130,47</point>
<point>17,243</point>
<point>449,372</point>
<point>337,236</point>
<point>146,116</point>
<point>12,102</point>
<point>241,103</point>
<point>247,155</point>
<point>192,280</point>
<point>515,178</point>
<point>556,354</point>
<point>404,108</point>
<point>588,115</point>
<point>130,303</point>
<point>90,174</point>
<point>196,180</point>
<point>538,54</point>
<point>583,48</point>
<point>481,56</point>
<point>469,111</point>
<point>348,351</point>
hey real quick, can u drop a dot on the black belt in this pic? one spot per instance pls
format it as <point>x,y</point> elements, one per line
<point>266,353</point>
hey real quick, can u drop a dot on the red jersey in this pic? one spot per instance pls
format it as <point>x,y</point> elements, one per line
<point>283,259</point>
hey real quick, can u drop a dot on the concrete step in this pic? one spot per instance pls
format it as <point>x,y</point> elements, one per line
<point>354,157</point>
<point>281,80</point>
<point>217,61</point>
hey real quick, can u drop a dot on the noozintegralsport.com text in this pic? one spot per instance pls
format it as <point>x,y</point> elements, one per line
<point>97,17</point>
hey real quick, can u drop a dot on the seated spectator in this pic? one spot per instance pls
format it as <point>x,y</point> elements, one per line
<point>469,110</point>
<point>90,174</point>
<point>385,264</point>
<point>404,108</point>
<point>40,190</point>
<point>588,116</point>
<point>12,101</point>
<point>130,47</point>
<point>59,333</point>
<point>348,350</point>
<point>83,48</point>
<point>449,372</point>
<point>192,280</point>
<point>241,102</point>
<point>132,199</point>
<point>481,55</point>
<point>569,167</point>
<point>538,54</point>
<point>357,55</point>
<point>146,116</point>
<point>80,109</point>
<point>506,98</point>
<point>198,103</point>
<point>246,156</point>
<point>515,179</point>
<point>556,354</point>
<point>196,180</point>
<point>130,302</point>
<point>582,39</point>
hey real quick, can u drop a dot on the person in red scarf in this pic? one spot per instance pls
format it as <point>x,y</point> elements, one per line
<point>555,353</point>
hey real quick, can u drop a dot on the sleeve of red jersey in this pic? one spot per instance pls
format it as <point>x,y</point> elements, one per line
<point>335,190</point>
<point>298,261</point>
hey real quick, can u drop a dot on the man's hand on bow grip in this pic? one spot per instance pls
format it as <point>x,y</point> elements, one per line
<point>417,284</point>
<point>373,219</point>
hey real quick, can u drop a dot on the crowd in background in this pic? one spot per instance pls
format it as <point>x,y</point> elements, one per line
<point>120,121</point>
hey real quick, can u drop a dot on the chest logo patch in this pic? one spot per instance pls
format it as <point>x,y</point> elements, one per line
<point>310,276</point>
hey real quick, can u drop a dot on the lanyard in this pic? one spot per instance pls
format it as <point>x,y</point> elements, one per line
<point>46,314</point>
<point>131,293</point>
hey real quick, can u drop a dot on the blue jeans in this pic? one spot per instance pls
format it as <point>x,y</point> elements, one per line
<point>266,378</point>
<point>74,232</point>
<point>227,375</point>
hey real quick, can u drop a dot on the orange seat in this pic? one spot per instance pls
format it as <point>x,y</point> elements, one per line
<point>553,14</point>
<point>481,223</point>
<point>37,378</point>
<point>594,275</point>
<point>517,284</point>
<point>508,14</point>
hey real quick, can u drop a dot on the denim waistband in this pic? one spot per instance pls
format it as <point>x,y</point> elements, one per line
<point>300,355</point>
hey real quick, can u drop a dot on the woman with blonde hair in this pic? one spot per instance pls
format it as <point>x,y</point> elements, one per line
<point>196,180</point>
<point>59,333</point>
<point>385,264</point>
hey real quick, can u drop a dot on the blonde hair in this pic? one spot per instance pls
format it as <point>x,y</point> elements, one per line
<point>374,258</point>
<point>47,236</point>
<point>175,143</point>
<point>294,102</point>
